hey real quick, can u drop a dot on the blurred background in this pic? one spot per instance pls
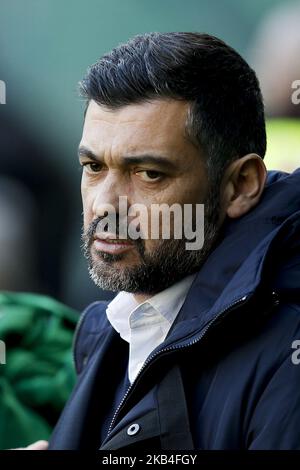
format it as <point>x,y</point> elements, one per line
<point>45,48</point>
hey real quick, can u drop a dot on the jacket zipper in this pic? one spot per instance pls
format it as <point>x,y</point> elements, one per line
<point>168,349</point>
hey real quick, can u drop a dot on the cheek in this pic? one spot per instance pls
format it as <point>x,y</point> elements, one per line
<point>185,190</point>
<point>189,190</point>
<point>86,207</point>
<point>151,245</point>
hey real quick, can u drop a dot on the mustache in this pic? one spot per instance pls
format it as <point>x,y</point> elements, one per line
<point>113,224</point>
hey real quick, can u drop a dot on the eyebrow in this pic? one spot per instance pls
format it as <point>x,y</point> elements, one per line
<point>131,159</point>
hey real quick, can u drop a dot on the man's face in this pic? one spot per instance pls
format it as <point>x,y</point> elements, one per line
<point>139,151</point>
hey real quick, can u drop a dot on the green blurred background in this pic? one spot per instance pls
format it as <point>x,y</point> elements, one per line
<point>45,48</point>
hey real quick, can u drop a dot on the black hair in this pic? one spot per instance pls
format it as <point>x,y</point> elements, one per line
<point>226,116</point>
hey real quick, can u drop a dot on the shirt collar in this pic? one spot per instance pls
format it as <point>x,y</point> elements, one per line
<point>167,303</point>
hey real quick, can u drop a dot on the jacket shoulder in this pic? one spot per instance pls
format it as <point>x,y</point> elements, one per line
<point>92,320</point>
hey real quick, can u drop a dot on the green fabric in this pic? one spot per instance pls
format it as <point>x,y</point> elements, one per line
<point>38,375</point>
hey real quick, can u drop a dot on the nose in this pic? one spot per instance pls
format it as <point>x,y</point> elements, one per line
<point>106,194</point>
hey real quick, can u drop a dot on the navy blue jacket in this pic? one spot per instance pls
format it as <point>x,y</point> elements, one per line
<point>224,377</point>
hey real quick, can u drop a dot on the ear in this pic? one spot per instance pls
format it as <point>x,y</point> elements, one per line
<point>243,184</point>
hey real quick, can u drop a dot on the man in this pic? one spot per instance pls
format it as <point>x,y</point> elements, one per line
<point>198,348</point>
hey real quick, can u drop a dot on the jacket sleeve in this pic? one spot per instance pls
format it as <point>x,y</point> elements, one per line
<point>275,423</point>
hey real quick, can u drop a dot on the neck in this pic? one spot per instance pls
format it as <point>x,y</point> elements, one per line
<point>140,298</point>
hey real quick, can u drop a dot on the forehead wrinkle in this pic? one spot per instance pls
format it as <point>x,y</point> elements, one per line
<point>138,139</point>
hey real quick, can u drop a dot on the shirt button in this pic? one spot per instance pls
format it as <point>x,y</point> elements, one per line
<point>133,429</point>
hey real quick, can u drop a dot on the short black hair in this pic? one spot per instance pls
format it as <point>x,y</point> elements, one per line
<point>226,116</point>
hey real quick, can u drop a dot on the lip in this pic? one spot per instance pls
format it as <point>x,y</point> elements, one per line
<point>112,245</point>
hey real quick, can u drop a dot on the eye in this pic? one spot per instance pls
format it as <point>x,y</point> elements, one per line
<point>150,175</point>
<point>92,167</point>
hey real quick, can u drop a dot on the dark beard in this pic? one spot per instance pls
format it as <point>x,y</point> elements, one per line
<point>169,263</point>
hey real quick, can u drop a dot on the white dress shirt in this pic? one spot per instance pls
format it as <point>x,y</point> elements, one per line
<point>144,326</point>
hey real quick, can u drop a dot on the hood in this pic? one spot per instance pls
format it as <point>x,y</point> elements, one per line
<point>260,248</point>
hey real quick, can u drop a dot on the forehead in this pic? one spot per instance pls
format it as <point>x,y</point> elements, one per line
<point>154,125</point>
